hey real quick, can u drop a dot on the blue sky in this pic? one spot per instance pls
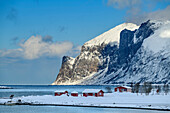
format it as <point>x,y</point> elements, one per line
<point>65,20</point>
<point>29,28</point>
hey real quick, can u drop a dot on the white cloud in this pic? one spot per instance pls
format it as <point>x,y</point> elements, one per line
<point>120,4</point>
<point>161,15</point>
<point>11,52</point>
<point>35,47</point>
<point>136,14</point>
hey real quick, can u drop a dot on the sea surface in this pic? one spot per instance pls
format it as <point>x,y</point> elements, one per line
<point>28,90</point>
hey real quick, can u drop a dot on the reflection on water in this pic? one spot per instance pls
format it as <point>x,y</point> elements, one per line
<point>64,109</point>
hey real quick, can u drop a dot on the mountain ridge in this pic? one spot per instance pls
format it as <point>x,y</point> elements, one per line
<point>118,59</point>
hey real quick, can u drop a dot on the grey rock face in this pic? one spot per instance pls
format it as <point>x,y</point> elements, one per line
<point>83,65</point>
<point>66,70</point>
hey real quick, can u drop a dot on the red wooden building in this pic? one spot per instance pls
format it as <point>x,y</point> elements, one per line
<point>59,93</point>
<point>74,94</point>
<point>123,89</point>
<point>93,92</point>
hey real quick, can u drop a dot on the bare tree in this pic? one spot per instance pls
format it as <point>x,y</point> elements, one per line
<point>158,89</point>
<point>166,88</point>
<point>147,87</point>
<point>109,90</point>
<point>136,88</point>
<point>132,86</point>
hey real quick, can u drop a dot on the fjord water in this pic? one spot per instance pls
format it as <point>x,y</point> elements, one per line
<point>28,90</point>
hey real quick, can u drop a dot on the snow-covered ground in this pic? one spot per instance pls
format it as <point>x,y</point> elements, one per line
<point>109,100</point>
<point>5,87</point>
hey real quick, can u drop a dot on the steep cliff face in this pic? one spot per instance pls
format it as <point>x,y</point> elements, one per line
<point>91,58</point>
<point>66,69</point>
<point>121,55</point>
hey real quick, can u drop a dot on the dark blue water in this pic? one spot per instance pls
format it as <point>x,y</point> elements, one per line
<point>27,90</point>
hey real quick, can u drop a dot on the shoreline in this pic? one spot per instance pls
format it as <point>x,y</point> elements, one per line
<point>111,100</point>
<point>32,104</point>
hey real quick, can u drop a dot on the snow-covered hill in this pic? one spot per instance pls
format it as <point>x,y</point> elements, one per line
<point>124,54</point>
<point>113,35</point>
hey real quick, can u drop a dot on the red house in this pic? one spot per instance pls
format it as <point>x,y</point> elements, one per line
<point>123,89</point>
<point>59,93</point>
<point>74,94</point>
<point>93,92</point>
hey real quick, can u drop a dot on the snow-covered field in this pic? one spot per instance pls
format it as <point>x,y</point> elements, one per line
<point>109,100</point>
<point>5,87</point>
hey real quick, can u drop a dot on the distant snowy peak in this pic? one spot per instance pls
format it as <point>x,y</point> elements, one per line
<point>158,23</point>
<point>113,35</point>
<point>160,40</point>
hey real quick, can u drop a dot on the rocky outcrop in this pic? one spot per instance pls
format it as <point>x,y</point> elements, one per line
<point>82,66</point>
<point>66,69</point>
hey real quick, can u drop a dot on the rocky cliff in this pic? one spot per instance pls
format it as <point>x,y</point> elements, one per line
<point>127,53</point>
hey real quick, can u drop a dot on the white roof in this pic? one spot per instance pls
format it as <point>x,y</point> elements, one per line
<point>125,87</point>
<point>74,92</point>
<point>91,90</point>
<point>60,90</point>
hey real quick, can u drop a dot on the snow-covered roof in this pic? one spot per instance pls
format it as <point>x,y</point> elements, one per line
<point>91,90</point>
<point>126,87</point>
<point>74,92</point>
<point>60,90</point>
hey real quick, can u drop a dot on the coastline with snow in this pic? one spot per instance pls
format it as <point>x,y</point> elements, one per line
<point>110,100</point>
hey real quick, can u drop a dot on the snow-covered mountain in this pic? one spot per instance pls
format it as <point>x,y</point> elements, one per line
<point>127,53</point>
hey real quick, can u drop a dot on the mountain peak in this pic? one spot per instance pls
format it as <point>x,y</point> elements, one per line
<point>113,35</point>
<point>126,53</point>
